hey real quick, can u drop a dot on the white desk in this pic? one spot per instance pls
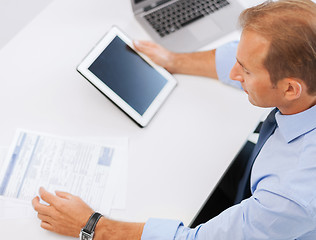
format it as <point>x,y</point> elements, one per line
<point>173,163</point>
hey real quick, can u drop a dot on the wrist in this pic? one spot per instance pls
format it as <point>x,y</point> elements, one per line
<point>100,228</point>
<point>88,231</point>
<point>115,230</point>
<point>179,63</point>
<point>172,62</point>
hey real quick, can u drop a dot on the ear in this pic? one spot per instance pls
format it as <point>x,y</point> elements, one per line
<point>292,88</point>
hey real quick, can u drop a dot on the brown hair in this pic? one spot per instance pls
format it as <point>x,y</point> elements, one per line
<point>290,26</point>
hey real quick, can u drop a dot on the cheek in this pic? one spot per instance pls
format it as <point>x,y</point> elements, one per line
<point>254,88</point>
<point>247,81</point>
<point>261,93</point>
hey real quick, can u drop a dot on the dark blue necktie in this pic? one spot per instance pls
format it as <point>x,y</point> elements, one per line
<point>266,131</point>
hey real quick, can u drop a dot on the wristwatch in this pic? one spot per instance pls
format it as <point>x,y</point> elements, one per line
<point>88,231</point>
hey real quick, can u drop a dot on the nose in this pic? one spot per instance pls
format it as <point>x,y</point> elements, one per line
<point>236,73</point>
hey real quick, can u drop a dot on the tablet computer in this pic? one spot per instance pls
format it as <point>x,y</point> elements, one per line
<point>130,80</point>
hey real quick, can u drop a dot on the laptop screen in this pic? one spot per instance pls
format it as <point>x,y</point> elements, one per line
<point>139,5</point>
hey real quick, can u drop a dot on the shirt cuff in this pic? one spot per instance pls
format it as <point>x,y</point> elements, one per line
<point>160,229</point>
<point>225,58</point>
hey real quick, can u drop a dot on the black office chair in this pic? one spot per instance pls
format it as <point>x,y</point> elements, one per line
<point>224,194</point>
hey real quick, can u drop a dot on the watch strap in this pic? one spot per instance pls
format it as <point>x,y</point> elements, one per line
<point>92,222</point>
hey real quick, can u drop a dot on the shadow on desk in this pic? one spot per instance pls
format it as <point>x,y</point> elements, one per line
<point>225,192</point>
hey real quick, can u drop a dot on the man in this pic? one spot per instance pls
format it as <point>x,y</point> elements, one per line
<point>275,65</point>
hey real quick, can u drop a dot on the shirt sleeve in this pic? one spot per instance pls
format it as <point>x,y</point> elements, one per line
<point>225,58</point>
<point>160,229</point>
<point>263,216</point>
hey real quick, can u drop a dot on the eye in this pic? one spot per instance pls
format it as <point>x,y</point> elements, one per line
<point>246,71</point>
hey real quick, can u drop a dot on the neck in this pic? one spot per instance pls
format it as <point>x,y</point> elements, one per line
<point>300,105</point>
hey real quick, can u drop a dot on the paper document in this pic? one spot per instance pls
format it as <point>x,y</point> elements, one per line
<point>85,169</point>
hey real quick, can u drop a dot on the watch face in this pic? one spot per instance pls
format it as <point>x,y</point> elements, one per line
<point>85,236</point>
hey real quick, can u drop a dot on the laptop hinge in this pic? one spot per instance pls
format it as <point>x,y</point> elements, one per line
<point>153,5</point>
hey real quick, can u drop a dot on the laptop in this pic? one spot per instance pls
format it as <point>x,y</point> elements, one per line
<point>186,25</point>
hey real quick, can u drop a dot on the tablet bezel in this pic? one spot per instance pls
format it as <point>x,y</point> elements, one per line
<point>83,69</point>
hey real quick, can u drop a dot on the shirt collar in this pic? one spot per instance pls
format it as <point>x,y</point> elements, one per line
<point>293,126</point>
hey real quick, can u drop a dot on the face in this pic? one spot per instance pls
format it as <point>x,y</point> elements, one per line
<point>249,70</point>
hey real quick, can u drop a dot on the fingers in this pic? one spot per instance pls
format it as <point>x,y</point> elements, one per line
<point>145,46</point>
<point>44,218</point>
<point>40,208</point>
<point>43,214</point>
<point>54,201</point>
<point>65,214</point>
<point>64,195</point>
<point>47,226</point>
<point>158,54</point>
<point>137,44</point>
<point>140,43</point>
<point>47,196</point>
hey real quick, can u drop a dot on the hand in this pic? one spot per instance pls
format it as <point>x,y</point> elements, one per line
<point>66,214</point>
<point>158,54</point>
<point>195,63</point>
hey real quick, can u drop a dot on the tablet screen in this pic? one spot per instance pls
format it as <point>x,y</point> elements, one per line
<point>128,75</point>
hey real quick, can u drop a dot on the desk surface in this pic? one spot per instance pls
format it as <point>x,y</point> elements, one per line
<point>173,163</point>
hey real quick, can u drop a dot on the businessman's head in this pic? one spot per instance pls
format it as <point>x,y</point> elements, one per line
<point>276,57</point>
<point>290,26</point>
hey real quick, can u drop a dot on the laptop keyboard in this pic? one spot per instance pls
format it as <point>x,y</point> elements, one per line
<point>181,13</point>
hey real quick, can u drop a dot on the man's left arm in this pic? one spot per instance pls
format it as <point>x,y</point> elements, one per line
<point>265,215</point>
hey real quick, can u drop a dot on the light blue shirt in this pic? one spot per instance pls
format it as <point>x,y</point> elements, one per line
<point>283,183</point>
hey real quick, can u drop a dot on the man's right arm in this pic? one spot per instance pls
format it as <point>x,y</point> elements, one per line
<point>215,63</point>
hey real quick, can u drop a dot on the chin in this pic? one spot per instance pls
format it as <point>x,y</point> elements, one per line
<point>261,104</point>
<point>253,102</point>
